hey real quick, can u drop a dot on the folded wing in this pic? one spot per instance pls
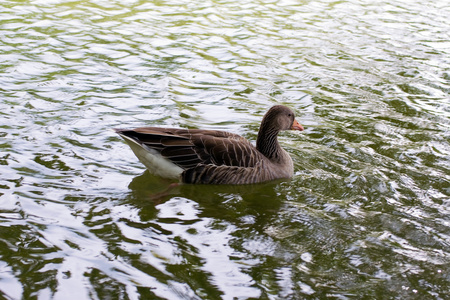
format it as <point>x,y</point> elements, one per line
<point>187,148</point>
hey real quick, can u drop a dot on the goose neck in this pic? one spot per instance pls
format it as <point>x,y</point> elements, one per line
<point>267,142</point>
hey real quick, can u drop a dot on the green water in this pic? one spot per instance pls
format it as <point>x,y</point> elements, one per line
<point>366,216</point>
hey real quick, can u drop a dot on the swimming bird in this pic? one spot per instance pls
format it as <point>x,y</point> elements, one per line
<point>216,157</point>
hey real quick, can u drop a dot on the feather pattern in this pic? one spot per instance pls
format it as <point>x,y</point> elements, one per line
<point>216,157</point>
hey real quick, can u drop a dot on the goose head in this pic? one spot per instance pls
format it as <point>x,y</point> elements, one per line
<point>279,118</point>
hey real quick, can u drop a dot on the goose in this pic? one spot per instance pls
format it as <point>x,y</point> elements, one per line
<point>216,157</point>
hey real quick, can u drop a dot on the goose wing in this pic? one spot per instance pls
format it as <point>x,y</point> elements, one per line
<point>189,147</point>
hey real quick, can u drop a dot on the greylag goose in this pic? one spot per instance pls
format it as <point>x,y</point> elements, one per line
<point>216,157</point>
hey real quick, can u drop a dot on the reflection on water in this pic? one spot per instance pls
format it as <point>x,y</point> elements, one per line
<point>366,214</point>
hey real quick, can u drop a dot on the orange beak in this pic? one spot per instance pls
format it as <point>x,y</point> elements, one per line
<point>296,126</point>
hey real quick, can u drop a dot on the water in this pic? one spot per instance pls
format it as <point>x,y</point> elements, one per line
<point>366,215</point>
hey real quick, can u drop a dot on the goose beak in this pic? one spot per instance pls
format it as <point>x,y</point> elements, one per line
<point>296,126</point>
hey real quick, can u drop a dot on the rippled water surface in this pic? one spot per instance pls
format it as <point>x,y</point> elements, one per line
<point>367,214</point>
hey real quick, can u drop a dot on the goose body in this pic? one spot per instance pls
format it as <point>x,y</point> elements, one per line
<point>215,157</point>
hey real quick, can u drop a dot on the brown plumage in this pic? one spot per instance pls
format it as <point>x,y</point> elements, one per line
<point>216,157</point>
